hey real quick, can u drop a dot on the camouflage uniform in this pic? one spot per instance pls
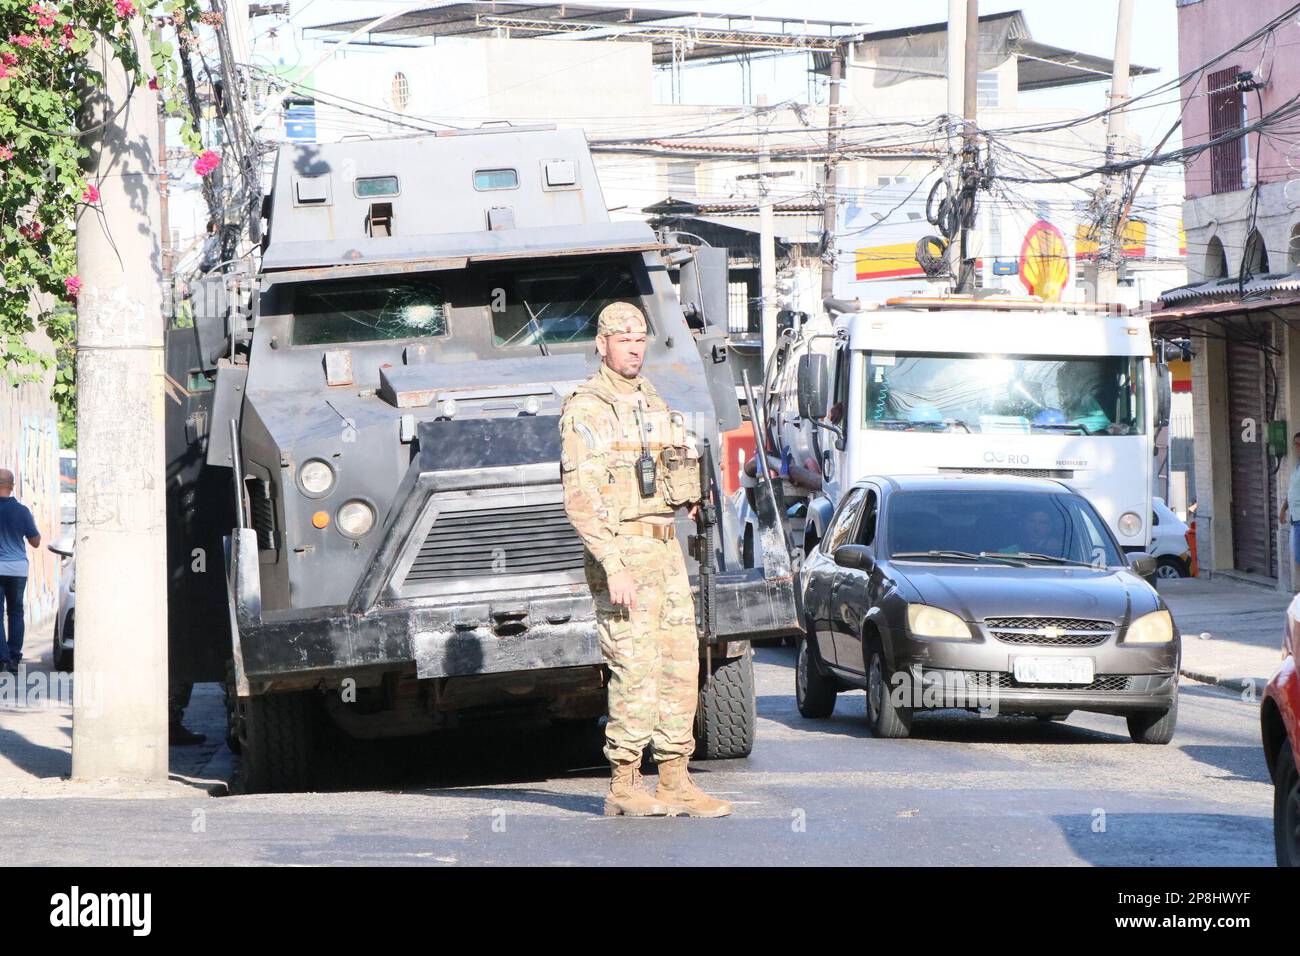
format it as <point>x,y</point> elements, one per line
<point>652,650</point>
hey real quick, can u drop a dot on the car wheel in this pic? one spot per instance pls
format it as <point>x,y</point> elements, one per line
<point>814,692</point>
<point>1167,566</point>
<point>887,719</point>
<point>1286,808</point>
<point>63,657</point>
<point>1154,728</point>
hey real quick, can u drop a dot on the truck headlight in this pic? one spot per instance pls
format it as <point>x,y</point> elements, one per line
<point>316,477</point>
<point>356,518</point>
<point>1154,628</point>
<point>1130,524</point>
<point>926,621</point>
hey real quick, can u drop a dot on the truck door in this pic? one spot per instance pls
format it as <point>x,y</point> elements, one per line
<point>834,450</point>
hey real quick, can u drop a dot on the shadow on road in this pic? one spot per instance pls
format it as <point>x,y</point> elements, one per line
<point>1147,839</point>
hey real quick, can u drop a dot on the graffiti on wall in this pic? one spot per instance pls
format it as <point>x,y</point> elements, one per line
<point>29,447</point>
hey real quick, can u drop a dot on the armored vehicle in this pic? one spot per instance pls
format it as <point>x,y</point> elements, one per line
<point>365,442</point>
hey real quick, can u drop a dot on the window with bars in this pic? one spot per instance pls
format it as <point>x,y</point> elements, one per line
<point>1225,116</point>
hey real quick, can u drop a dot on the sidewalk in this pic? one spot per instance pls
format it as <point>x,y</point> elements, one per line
<point>36,736</point>
<point>1232,632</point>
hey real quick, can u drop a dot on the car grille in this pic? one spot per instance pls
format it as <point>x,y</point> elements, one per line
<point>985,680</point>
<point>527,539</point>
<point>1065,631</point>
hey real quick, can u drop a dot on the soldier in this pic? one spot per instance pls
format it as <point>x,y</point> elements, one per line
<point>625,466</point>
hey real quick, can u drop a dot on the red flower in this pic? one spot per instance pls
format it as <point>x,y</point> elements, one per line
<point>91,193</point>
<point>6,154</point>
<point>4,72</point>
<point>207,162</point>
<point>153,82</point>
<point>73,285</point>
<point>10,59</point>
<point>32,230</point>
<point>124,8</point>
<point>44,17</point>
<point>23,40</point>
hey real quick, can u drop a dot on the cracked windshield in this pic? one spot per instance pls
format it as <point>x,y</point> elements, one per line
<point>1004,394</point>
<point>560,304</point>
<point>368,310</point>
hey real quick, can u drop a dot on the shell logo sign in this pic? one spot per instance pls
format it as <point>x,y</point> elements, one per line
<point>1044,261</point>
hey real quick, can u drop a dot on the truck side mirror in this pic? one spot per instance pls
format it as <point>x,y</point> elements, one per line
<point>1164,385</point>
<point>812,386</point>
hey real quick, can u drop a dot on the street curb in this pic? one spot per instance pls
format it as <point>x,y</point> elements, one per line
<point>1239,684</point>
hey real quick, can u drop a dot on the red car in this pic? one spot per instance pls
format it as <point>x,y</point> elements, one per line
<point>1280,724</point>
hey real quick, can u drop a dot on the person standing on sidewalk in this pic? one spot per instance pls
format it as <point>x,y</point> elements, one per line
<point>1291,510</point>
<point>16,524</point>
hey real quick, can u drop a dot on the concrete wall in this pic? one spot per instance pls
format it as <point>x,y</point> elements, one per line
<point>29,447</point>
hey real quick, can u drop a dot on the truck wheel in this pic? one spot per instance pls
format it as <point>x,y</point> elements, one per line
<point>814,692</point>
<point>887,719</point>
<point>276,737</point>
<point>1154,728</point>
<point>725,715</point>
<point>1167,566</point>
<point>1286,808</point>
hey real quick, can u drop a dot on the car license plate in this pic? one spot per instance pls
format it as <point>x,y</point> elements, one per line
<point>1053,670</point>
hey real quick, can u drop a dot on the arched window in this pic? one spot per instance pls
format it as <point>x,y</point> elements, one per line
<point>1216,260</point>
<point>1255,258</point>
<point>1293,248</point>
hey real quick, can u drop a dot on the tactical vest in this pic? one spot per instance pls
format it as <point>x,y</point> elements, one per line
<point>666,440</point>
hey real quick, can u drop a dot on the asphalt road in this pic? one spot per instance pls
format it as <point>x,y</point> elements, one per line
<point>964,790</point>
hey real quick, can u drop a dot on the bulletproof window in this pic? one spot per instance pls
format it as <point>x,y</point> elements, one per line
<point>558,304</point>
<point>368,310</point>
<point>496,179</point>
<point>366,187</point>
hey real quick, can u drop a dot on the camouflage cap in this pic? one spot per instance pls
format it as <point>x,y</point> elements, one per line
<point>619,317</point>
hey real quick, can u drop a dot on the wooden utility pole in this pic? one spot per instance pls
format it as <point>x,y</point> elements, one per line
<point>830,211</point>
<point>1104,273</point>
<point>119,724</point>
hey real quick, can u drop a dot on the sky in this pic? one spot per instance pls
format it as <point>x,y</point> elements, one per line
<point>1089,28</point>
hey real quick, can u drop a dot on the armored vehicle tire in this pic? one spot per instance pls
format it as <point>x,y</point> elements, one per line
<point>1154,728</point>
<point>277,735</point>
<point>725,717</point>
<point>814,692</point>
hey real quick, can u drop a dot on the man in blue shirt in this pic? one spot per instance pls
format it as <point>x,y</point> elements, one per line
<point>16,524</point>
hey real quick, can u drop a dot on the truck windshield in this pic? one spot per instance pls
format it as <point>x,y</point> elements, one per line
<point>1022,527</point>
<point>368,310</point>
<point>557,303</point>
<point>992,394</point>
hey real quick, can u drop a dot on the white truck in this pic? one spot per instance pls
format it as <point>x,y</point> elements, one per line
<point>953,384</point>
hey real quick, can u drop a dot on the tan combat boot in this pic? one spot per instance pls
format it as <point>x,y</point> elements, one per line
<point>678,791</point>
<point>627,798</point>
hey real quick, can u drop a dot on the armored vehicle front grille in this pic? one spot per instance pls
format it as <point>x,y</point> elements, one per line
<point>520,540</point>
<point>1050,631</point>
<point>261,511</point>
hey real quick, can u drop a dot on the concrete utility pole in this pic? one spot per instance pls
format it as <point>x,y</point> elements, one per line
<point>119,724</point>
<point>956,70</point>
<point>766,237</point>
<point>1104,273</point>
<point>969,152</point>
<point>830,212</point>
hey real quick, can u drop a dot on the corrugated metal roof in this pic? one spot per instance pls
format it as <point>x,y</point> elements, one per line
<point>1257,287</point>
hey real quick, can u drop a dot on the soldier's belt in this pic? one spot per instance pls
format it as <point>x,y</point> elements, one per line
<point>647,529</point>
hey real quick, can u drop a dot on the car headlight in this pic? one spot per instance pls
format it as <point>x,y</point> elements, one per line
<point>356,518</point>
<point>926,621</point>
<point>1130,524</point>
<point>1154,628</point>
<point>316,477</point>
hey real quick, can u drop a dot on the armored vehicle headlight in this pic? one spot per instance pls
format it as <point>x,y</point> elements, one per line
<point>316,477</point>
<point>356,518</point>
<point>926,621</point>
<point>1154,628</point>
<point>1129,524</point>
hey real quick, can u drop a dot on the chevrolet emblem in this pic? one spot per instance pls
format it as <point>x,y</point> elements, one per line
<point>1051,633</point>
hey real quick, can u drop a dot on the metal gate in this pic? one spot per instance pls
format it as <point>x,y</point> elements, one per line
<point>1254,500</point>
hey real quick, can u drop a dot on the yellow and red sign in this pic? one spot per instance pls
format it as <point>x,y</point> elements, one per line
<point>1134,240</point>
<point>1044,261</point>
<point>893,261</point>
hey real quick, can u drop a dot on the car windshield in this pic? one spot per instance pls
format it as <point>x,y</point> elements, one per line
<point>999,394</point>
<point>368,310</point>
<point>998,526</point>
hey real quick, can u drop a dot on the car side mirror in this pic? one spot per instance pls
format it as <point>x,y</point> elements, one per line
<point>857,556</point>
<point>813,386</point>
<point>62,548</point>
<point>1143,565</point>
